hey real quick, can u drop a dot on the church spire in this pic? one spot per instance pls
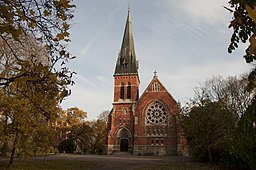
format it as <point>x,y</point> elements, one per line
<point>126,62</point>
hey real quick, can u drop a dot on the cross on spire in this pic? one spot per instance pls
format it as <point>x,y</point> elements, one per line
<point>155,74</point>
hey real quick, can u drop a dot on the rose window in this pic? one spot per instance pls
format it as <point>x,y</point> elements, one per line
<point>156,114</point>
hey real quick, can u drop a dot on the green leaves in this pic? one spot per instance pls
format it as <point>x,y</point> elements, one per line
<point>244,26</point>
<point>210,119</point>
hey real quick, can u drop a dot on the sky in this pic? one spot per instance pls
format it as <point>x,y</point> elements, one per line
<point>185,41</point>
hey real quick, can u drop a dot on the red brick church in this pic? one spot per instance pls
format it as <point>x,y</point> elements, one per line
<point>144,125</point>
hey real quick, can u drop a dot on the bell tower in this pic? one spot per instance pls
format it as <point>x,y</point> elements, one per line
<point>126,76</point>
<point>126,94</point>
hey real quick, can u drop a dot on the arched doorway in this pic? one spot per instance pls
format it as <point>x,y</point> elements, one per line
<point>124,145</point>
<point>124,140</point>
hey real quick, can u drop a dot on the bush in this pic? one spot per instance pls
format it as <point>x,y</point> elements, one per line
<point>66,146</point>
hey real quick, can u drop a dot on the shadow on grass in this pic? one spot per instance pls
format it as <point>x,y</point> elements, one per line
<point>32,164</point>
<point>184,166</point>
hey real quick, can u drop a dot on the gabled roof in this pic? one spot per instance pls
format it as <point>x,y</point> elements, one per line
<point>161,87</point>
<point>126,61</point>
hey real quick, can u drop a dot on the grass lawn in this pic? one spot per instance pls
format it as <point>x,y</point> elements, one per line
<point>75,162</point>
<point>184,166</point>
<point>33,164</point>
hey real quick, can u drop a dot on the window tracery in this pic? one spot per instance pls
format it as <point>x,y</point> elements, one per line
<point>156,114</point>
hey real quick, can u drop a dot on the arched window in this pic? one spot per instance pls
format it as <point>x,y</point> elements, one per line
<point>155,87</point>
<point>129,91</point>
<point>122,91</point>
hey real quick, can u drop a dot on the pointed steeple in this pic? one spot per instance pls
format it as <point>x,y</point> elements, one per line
<point>126,61</point>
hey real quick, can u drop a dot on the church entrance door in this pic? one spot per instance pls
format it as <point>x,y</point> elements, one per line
<point>124,145</point>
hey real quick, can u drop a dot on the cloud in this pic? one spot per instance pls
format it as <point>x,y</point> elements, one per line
<point>82,80</point>
<point>93,101</point>
<point>194,18</point>
<point>185,41</point>
<point>101,78</point>
<point>210,11</point>
<point>84,51</point>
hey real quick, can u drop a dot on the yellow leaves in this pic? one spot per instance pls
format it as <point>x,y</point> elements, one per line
<point>46,13</point>
<point>16,33</point>
<point>66,26</point>
<point>66,34</point>
<point>62,52</point>
<point>240,21</point>
<point>74,116</point>
<point>238,17</point>
<point>252,41</point>
<point>63,3</point>
<point>61,15</point>
<point>47,47</point>
<point>32,12</point>
<point>32,23</point>
<point>60,36</point>
<point>251,12</point>
<point>235,22</point>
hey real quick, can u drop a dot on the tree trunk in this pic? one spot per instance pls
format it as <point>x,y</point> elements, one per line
<point>209,154</point>
<point>5,146</point>
<point>45,154</point>
<point>4,149</point>
<point>13,150</point>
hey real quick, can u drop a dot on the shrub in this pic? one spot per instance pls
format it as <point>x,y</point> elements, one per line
<point>66,146</point>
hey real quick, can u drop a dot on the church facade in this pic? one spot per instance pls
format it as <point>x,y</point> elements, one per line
<point>145,125</point>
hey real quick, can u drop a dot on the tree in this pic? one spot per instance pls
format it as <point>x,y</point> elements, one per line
<point>74,116</point>
<point>244,141</point>
<point>33,40</point>
<point>41,101</point>
<point>208,125</point>
<point>103,116</point>
<point>81,134</point>
<point>90,137</point>
<point>45,21</point>
<point>38,88</point>
<point>244,24</point>
<point>70,125</point>
<point>231,90</point>
<point>211,116</point>
<point>98,136</point>
<point>69,120</point>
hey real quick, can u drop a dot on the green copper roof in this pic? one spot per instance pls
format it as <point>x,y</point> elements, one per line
<point>126,61</point>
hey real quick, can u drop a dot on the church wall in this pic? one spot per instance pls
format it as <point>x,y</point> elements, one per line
<point>122,112</point>
<point>154,150</point>
<point>121,118</point>
<point>156,139</point>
